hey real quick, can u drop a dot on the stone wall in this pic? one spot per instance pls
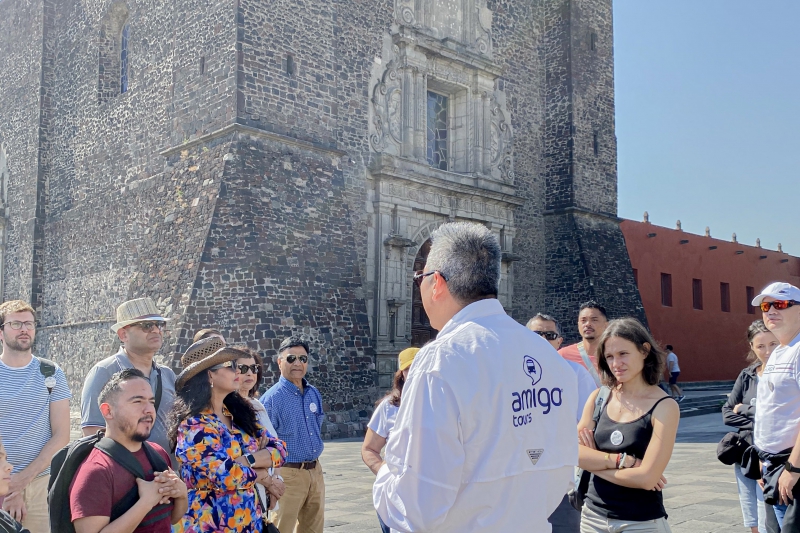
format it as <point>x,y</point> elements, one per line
<point>236,181</point>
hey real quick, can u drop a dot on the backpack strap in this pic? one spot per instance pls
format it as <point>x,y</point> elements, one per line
<point>587,362</point>
<point>125,458</point>
<point>48,369</point>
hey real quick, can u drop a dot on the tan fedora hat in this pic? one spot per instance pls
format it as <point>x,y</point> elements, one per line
<point>138,310</point>
<point>202,355</point>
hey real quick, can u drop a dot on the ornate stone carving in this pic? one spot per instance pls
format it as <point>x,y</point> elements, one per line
<point>500,141</point>
<point>468,22</point>
<point>387,107</point>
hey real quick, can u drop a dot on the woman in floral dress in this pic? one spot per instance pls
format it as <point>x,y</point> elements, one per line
<point>221,447</point>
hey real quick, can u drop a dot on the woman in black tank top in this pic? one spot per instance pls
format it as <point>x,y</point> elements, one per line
<point>629,449</point>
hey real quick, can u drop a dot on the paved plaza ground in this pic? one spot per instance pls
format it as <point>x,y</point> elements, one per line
<point>700,495</point>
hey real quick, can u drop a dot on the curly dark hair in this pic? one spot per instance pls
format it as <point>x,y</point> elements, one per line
<point>632,330</point>
<point>195,396</point>
<point>393,396</point>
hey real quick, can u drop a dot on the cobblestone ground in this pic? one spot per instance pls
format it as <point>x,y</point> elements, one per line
<point>700,496</point>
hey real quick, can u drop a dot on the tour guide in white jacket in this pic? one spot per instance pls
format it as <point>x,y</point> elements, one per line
<point>485,438</point>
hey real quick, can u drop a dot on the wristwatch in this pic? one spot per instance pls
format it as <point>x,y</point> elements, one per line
<point>250,459</point>
<point>791,468</point>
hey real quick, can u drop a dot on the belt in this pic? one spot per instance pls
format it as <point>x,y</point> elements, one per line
<point>309,465</point>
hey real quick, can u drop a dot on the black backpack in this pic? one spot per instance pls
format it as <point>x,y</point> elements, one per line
<point>68,459</point>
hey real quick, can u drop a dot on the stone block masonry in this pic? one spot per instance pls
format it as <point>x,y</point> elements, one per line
<point>266,171</point>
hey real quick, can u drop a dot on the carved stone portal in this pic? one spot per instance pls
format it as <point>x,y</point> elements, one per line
<point>468,22</point>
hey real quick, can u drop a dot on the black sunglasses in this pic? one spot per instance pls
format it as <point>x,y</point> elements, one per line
<point>549,335</point>
<point>226,364</point>
<point>252,368</point>
<point>419,275</point>
<point>147,327</point>
<point>778,304</point>
<point>292,358</point>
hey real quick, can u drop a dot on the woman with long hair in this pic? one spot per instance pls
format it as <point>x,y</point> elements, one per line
<point>630,448</point>
<point>221,447</point>
<point>382,421</point>
<point>250,369</point>
<point>739,411</point>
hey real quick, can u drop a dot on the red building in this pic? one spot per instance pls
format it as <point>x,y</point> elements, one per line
<point>696,292</point>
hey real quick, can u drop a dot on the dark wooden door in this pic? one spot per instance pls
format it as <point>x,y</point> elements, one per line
<point>421,330</point>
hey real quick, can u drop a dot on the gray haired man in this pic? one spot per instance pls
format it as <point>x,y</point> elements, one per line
<point>484,439</point>
<point>565,519</point>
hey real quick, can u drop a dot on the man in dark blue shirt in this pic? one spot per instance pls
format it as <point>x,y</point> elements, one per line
<point>295,409</point>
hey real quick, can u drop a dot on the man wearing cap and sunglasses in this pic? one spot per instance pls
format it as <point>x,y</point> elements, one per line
<point>140,328</point>
<point>777,425</point>
<point>295,409</point>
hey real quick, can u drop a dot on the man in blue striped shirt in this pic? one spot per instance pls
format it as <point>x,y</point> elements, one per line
<point>34,416</point>
<point>295,409</point>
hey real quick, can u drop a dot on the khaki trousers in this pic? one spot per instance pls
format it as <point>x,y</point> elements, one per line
<point>302,507</point>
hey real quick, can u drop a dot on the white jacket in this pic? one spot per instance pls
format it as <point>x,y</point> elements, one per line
<point>485,438</point>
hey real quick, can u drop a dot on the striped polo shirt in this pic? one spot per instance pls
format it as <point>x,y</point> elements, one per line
<point>25,411</point>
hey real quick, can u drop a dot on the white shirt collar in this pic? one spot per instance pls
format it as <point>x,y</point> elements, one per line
<point>481,308</point>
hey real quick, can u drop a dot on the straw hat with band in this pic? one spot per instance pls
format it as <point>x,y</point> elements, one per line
<point>203,355</point>
<point>407,357</point>
<point>134,311</point>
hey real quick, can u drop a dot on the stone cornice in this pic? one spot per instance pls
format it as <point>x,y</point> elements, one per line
<point>401,169</point>
<point>583,212</point>
<point>237,127</point>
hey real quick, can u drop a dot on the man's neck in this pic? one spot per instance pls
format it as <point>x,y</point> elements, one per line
<point>297,383</point>
<point>591,346</point>
<point>14,358</point>
<point>132,445</point>
<point>142,361</point>
<point>789,337</point>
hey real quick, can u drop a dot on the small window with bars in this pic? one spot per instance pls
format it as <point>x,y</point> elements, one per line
<point>751,293</point>
<point>697,294</point>
<point>437,130</point>
<point>725,297</point>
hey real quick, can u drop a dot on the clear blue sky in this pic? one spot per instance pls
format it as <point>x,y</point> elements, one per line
<point>708,116</point>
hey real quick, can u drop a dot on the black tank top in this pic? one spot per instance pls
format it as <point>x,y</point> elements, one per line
<point>615,501</point>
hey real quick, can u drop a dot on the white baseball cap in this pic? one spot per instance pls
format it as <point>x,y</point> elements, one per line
<point>779,291</point>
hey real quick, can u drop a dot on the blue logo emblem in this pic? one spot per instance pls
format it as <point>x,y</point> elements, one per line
<point>532,369</point>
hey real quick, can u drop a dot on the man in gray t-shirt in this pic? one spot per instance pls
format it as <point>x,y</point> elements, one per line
<point>140,328</point>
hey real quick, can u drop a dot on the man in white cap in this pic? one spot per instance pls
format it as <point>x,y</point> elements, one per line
<point>485,437</point>
<point>777,426</point>
<point>140,328</point>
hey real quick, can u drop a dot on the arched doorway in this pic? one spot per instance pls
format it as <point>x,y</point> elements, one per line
<point>421,330</point>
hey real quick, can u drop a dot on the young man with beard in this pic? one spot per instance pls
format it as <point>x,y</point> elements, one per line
<point>34,416</point>
<point>592,322</point>
<point>127,404</point>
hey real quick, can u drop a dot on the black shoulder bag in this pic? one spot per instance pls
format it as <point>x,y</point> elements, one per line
<point>577,494</point>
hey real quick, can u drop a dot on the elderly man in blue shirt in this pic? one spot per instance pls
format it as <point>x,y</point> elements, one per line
<point>295,409</point>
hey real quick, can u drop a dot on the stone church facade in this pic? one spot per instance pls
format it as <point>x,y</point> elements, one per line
<point>276,167</point>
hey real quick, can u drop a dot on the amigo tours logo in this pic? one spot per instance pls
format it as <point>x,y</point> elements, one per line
<point>526,400</point>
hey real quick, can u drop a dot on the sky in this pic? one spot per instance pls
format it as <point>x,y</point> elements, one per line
<point>708,116</point>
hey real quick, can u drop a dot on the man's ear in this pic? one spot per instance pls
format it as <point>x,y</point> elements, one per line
<point>560,341</point>
<point>105,409</point>
<point>439,288</point>
<point>122,333</point>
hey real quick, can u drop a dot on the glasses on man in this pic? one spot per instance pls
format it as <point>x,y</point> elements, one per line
<point>226,364</point>
<point>780,305</point>
<point>17,325</point>
<point>420,275</point>
<point>244,369</point>
<point>147,327</point>
<point>292,358</point>
<point>549,335</point>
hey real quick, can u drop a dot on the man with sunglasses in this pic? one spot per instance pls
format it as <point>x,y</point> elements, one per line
<point>295,409</point>
<point>484,440</point>
<point>140,328</point>
<point>565,519</point>
<point>777,426</point>
<point>34,416</point>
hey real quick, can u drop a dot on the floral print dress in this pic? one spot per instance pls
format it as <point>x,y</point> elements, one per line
<point>221,491</point>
